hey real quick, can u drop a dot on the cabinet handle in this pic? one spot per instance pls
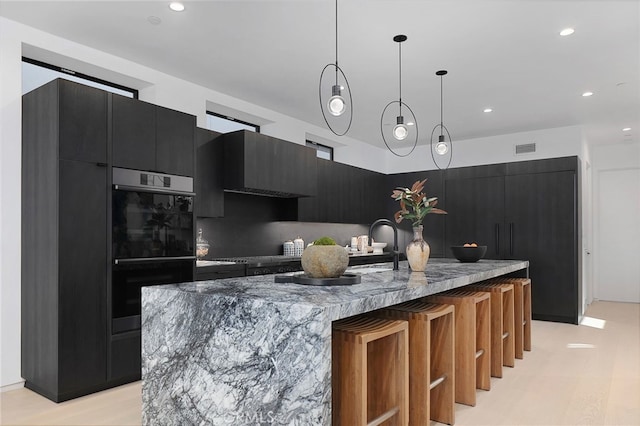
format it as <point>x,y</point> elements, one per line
<point>99,164</point>
<point>511,238</point>
<point>497,229</point>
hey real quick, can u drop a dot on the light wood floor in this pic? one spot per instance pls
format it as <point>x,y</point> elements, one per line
<point>575,375</point>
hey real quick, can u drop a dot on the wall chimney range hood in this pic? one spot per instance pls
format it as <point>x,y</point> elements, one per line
<point>263,165</point>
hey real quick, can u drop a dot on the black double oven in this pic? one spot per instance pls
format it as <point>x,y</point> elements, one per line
<point>152,237</point>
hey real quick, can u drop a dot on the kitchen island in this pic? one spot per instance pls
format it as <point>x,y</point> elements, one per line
<point>251,351</point>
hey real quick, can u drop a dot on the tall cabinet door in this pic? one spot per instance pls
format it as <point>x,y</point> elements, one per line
<point>542,221</point>
<point>82,328</point>
<point>475,209</point>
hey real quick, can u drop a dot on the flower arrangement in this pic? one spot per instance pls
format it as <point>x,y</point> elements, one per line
<point>415,199</point>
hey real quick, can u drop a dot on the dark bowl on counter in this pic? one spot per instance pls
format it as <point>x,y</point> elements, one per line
<point>468,254</point>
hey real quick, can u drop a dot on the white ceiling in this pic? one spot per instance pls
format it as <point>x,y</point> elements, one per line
<point>503,54</point>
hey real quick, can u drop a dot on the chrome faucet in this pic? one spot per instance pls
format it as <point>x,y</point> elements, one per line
<point>396,253</point>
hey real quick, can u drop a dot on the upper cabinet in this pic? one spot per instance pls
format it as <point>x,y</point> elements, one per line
<point>82,119</point>
<point>150,137</point>
<point>209,179</point>
<point>346,194</point>
<point>260,164</point>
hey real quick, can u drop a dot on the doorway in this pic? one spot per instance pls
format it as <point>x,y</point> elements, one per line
<point>617,244</point>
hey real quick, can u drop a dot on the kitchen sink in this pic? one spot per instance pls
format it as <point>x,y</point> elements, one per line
<point>368,269</point>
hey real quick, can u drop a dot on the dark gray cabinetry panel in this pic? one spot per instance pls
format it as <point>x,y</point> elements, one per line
<point>209,179</point>
<point>261,164</point>
<point>149,137</point>
<point>134,133</point>
<point>64,243</point>
<point>346,194</point>
<point>175,148</point>
<point>542,222</point>
<point>476,209</point>
<point>82,121</point>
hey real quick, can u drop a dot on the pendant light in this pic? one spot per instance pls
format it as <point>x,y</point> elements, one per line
<point>443,149</point>
<point>337,109</point>
<point>404,128</point>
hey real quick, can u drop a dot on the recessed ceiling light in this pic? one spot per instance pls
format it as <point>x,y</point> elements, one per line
<point>567,31</point>
<point>626,129</point>
<point>488,110</point>
<point>410,123</point>
<point>176,6</point>
<point>586,94</point>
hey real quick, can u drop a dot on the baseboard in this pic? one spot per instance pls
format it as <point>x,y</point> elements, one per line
<point>12,386</point>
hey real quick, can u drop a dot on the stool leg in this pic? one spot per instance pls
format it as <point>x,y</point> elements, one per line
<point>526,290</point>
<point>496,335</point>
<point>349,399</point>
<point>483,343</point>
<point>509,347</point>
<point>442,396</point>
<point>518,310</point>
<point>466,369</point>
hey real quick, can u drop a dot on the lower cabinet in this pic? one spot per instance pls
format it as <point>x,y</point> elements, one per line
<point>125,356</point>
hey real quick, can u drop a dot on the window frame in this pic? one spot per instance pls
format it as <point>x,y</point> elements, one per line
<point>235,120</point>
<point>320,148</point>
<point>80,75</point>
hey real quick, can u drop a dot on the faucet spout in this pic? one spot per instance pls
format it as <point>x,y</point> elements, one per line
<point>396,253</point>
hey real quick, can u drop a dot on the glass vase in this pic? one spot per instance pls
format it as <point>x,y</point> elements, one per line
<point>418,251</point>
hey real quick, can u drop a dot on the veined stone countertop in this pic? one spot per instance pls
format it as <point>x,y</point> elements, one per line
<point>251,351</point>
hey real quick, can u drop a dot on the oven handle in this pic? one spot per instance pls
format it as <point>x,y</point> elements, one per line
<point>149,189</point>
<point>152,259</point>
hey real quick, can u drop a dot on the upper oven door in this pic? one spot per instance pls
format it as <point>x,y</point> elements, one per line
<point>151,222</point>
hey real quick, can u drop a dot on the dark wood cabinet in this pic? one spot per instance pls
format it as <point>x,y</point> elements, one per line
<point>526,210</point>
<point>133,133</point>
<point>175,149</point>
<point>261,164</point>
<point>476,206</point>
<point>150,137</point>
<point>346,194</point>
<point>82,122</point>
<point>542,227</point>
<point>64,243</point>
<point>209,179</point>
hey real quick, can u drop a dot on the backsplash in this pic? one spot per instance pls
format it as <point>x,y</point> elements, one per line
<point>258,226</point>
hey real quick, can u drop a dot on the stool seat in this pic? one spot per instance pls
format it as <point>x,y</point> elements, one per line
<point>472,341</point>
<point>431,359</point>
<point>370,371</point>
<point>502,324</point>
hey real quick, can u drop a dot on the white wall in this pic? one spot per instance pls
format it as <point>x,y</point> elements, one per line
<point>558,142</point>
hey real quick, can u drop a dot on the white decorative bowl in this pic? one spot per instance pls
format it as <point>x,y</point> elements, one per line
<point>378,247</point>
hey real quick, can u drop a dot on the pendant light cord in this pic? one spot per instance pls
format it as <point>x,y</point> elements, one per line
<point>400,73</point>
<point>441,120</point>
<point>336,42</point>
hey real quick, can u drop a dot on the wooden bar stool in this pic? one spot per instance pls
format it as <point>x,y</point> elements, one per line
<point>502,324</point>
<point>473,341</point>
<point>522,311</point>
<point>370,371</point>
<point>431,359</point>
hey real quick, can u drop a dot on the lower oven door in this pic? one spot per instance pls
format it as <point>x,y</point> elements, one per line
<point>128,278</point>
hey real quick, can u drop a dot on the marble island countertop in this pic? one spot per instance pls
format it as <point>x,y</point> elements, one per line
<point>376,290</point>
<point>239,350</point>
